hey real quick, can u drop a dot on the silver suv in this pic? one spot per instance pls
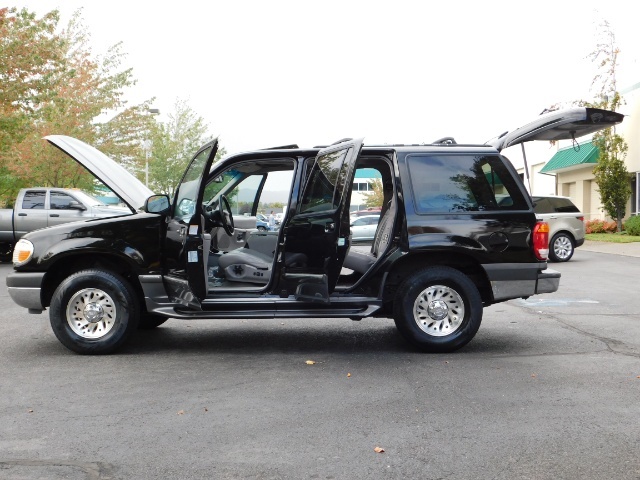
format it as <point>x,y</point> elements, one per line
<point>566,225</point>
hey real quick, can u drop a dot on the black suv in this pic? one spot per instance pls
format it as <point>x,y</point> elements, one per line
<point>457,232</point>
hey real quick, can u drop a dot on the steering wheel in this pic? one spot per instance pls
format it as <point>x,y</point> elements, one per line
<point>226,217</point>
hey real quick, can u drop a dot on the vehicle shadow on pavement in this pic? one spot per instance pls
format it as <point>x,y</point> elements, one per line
<point>207,337</point>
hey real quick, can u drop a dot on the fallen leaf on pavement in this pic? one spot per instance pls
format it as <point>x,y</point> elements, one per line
<point>378,450</point>
<point>29,410</point>
<point>310,362</point>
<point>348,374</point>
<point>181,412</point>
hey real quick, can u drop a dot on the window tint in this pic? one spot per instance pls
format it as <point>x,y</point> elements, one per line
<point>33,200</point>
<point>553,205</point>
<point>542,205</point>
<point>59,200</point>
<point>325,186</point>
<point>456,183</point>
<point>563,205</point>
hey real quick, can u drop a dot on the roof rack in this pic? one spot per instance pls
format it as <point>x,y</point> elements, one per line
<point>283,147</point>
<point>446,141</point>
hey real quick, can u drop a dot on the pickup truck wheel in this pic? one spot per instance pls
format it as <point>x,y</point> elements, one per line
<point>94,312</point>
<point>561,248</point>
<point>438,309</point>
<point>149,321</point>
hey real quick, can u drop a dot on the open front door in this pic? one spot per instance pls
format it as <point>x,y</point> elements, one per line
<point>186,251</point>
<point>317,236</point>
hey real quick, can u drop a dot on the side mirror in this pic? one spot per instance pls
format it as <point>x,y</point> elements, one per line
<point>157,204</point>
<point>75,205</point>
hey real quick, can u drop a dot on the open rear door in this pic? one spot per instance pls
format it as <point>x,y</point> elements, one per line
<point>566,124</point>
<point>318,234</point>
<point>185,250</point>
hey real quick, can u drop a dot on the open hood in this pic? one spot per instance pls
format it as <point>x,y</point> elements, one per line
<point>559,125</point>
<point>131,190</point>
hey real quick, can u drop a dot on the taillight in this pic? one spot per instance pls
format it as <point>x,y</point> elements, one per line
<point>580,218</point>
<point>541,240</point>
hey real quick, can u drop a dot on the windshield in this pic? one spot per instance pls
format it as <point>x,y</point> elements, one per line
<point>88,199</point>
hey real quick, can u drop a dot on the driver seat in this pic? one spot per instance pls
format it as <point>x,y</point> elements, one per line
<point>253,266</point>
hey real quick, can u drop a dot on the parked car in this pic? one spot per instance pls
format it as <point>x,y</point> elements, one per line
<point>444,248</point>
<point>364,228</point>
<point>368,211</point>
<point>566,225</point>
<point>42,207</point>
<point>262,222</point>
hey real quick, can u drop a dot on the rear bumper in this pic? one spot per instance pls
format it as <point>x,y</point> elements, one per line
<point>548,281</point>
<point>25,289</point>
<point>521,280</point>
<point>579,242</point>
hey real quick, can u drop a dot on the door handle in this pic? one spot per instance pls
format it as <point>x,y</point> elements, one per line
<point>54,215</point>
<point>22,214</point>
<point>329,227</point>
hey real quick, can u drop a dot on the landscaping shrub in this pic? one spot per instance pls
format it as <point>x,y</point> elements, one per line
<point>632,225</point>
<point>600,226</point>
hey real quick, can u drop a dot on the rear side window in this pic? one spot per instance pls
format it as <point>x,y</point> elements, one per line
<point>33,200</point>
<point>553,205</point>
<point>444,183</point>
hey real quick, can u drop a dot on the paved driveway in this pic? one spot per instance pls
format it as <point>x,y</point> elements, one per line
<point>549,389</point>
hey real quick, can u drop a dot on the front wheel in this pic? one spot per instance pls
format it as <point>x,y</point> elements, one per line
<point>561,248</point>
<point>438,309</point>
<point>94,312</point>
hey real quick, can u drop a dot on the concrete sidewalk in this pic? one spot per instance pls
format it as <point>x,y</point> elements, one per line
<point>628,249</point>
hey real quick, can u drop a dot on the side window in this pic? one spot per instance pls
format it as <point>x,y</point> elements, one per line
<point>542,205</point>
<point>33,200</point>
<point>252,193</point>
<point>59,200</point>
<point>187,195</point>
<point>443,183</point>
<point>243,197</point>
<point>326,183</point>
<point>563,205</point>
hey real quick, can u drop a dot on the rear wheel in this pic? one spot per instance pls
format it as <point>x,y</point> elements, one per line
<point>94,312</point>
<point>561,247</point>
<point>438,309</point>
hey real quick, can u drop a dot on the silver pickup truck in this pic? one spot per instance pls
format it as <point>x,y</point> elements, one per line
<point>44,207</point>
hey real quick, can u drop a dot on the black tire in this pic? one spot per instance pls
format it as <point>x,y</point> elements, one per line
<point>149,321</point>
<point>561,247</point>
<point>454,310</point>
<point>262,229</point>
<point>6,252</point>
<point>110,315</point>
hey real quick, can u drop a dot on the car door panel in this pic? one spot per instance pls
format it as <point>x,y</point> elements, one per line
<point>320,228</point>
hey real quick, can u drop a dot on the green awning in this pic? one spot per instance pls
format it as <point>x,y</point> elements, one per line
<point>569,157</point>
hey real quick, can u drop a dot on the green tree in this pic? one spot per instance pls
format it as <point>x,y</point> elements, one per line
<point>610,172</point>
<point>83,97</point>
<point>376,197</point>
<point>172,146</point>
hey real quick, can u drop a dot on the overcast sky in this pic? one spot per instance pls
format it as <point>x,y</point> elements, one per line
<point>267,73</point>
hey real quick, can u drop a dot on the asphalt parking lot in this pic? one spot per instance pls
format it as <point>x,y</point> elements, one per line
<point>548,389</point>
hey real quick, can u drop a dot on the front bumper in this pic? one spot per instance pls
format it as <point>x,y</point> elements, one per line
<point>25,289</point>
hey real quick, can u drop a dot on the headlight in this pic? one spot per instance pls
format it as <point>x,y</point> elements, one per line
<point>22,252</point>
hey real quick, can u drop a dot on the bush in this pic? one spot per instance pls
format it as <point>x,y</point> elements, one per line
<point>632,225</point>
<point>600,226</point>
